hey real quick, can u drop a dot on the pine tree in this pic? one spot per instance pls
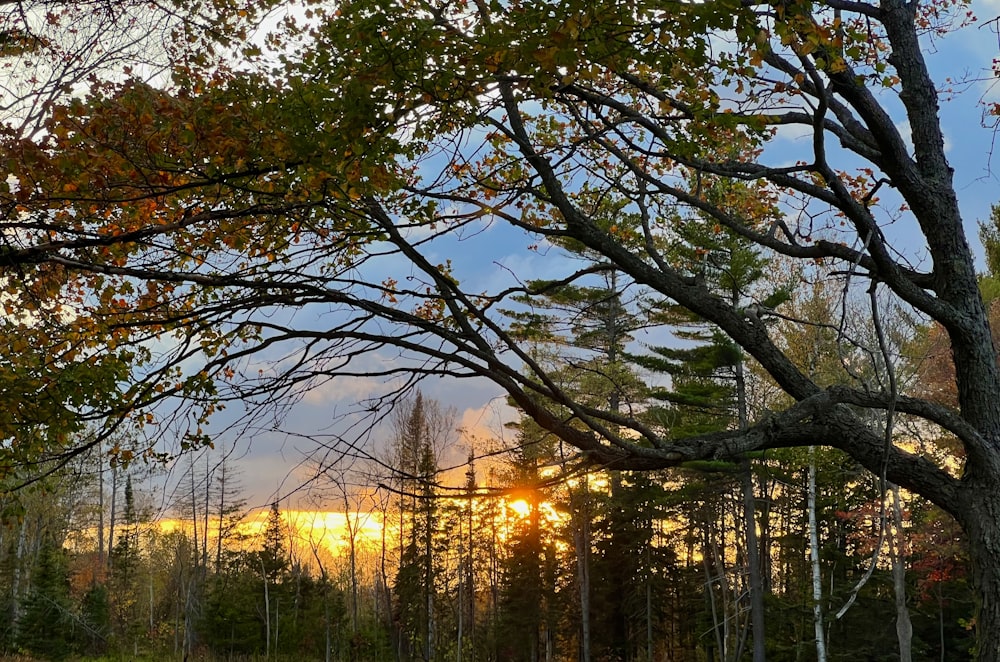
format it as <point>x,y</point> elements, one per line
<point>273,562</point>
<point>583,330</point>
<point>95,616</point>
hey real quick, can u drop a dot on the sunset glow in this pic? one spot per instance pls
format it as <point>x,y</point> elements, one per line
<point>520,507</point>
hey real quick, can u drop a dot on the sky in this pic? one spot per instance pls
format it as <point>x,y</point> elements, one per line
<point>274,463</point>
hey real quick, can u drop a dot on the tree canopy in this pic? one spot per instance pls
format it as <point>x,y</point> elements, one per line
<point>322,195</point>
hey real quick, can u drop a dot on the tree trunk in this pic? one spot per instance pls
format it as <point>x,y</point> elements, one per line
<point>15,583</point>
<point>710,596</point>
<point>267,613</point>
<point>352,533</point>
<point>753,564</point>
<point>222,512</point>
<point>204,523</point>
<point>194,516</point>
<point>750,525</point>
<point>981,522</point>
<point>471,577</point>
<point>111,518</point>
<point>460,600</point>
<point>581,540</point>
<point>904,627</point>
<point>817,585</point>
<point>649,608</point>
<point>100,506</point>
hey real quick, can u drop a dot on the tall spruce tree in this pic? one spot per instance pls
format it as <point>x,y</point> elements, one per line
<point>421,429</point>
<point>583,330</point>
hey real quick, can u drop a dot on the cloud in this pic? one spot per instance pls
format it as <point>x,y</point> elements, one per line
<point>903,126</point>
<point>794,132</point>
<point>486,421</point>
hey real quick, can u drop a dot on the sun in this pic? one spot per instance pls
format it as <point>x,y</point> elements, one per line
<point>521,507</point>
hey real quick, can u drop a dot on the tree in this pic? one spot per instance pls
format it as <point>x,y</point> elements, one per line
<point>45,627</point>
<point>708,379</point>
<point>62,399</point>
<point>397,131</point>
<point>422,430</point>
<point>273,561</point>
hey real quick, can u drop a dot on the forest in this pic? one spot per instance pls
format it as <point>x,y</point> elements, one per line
<point>503,565</point>
<point>727,272</point>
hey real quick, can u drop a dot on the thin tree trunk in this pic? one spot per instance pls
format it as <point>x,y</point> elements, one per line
<point>728,622</point>
<point>757,627</point>
<point>222,511</point>
<point>152,622</point>
<point>461,602</point>
<point>904,627</point>
<point>15,582</point>
<point>194,515</point>
<point>471,578</point>
<point>494,559</point>
<point>352,533</point>
<point>710,595</point>
<point>817,585</point>
<point>581,538</point>
<point>204,531</point>
<point>325,583</point>
<point>429,580</point>
<point>403,637</point>
<point>649,609</point>
<point>267,612</point>
<point>111,518</point>
<point>386,595</point>
<point>100,506</point>
<point>750,527</point>
<point>188,642</point>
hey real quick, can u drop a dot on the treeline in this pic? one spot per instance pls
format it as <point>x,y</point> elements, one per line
<point>90,566</point>
<point>509,563</point>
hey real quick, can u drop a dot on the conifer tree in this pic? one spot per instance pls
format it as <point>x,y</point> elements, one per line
<point>708,388</point>
<point>421,429</point>
<point>528,602</point>
<point>46,624</point>
<point>273,562</point>
<point>95,616</point>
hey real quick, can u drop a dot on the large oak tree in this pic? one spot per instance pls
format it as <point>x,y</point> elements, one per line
<point>335,179</point>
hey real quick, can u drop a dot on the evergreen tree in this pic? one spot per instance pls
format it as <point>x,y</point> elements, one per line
<point>272,560</point>
<point>272,556</point>
<point>630,565</point>
<point>421,429</point>
<point>708,390</point>
<point>95,617</point>
<point>528,607</point>
<point>582,329</point>
<point>46,625</point>
<point>234,614</point>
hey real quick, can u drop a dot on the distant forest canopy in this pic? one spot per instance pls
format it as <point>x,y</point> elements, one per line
<point>514,566</point>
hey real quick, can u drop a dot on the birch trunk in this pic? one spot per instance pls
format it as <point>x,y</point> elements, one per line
<point>817,580</point>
